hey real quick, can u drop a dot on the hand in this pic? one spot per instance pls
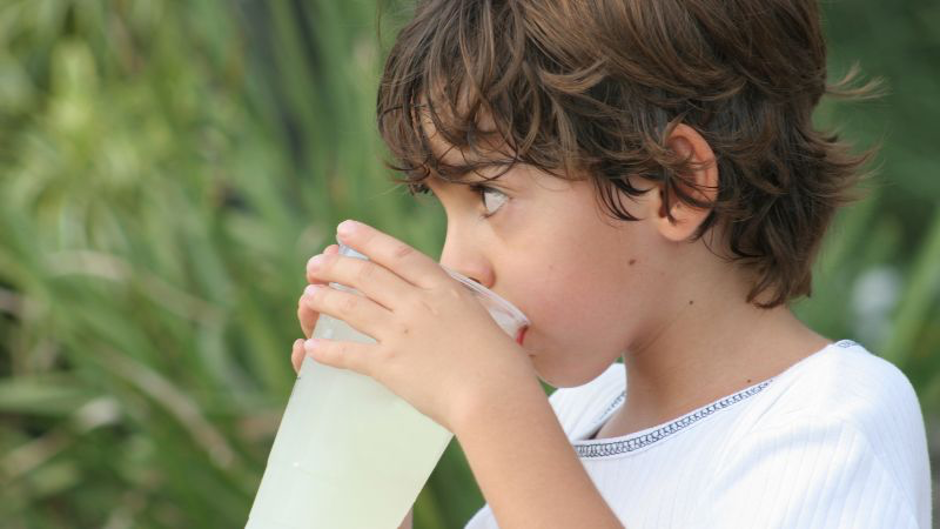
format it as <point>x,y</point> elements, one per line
<point>307,317</point>
<point>436,345</point>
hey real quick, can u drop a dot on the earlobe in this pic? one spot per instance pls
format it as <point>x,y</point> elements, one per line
<point>703,173</point>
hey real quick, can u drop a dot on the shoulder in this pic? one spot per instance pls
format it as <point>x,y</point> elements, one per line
<point>842,427</point>
<point>848,384</point>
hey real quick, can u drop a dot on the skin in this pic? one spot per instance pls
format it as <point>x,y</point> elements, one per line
<point>673,310</point>
<point>596,289</point>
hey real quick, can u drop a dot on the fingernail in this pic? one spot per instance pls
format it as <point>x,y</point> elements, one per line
<point>311,344</point>
<point>311,290</point>
<point>315,262</point>
<point>347,227</point>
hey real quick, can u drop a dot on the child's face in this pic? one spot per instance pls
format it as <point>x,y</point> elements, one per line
<point>587,282</point>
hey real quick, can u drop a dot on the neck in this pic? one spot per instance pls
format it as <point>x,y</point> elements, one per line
<point>704,353</point>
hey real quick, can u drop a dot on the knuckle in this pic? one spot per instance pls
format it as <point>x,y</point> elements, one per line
<point>365,271</point>
<point>349,303</point>
<point>402,251</point>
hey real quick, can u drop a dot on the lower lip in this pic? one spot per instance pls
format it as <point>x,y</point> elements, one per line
<point>522,335</point>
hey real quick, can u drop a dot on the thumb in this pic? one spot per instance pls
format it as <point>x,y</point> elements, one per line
<point>297,354</point>
<point>342,355</point>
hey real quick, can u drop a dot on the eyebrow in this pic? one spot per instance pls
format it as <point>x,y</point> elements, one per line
<point>468,182</point>
<point>463,172</point>
<point>461,178</point>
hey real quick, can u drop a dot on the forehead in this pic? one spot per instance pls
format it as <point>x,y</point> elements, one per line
<point>460,150</point>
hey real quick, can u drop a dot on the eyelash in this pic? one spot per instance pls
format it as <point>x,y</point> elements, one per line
<point>476,188</point>
<point>481,190</point>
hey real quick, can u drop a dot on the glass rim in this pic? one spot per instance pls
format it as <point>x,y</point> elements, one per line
<point>483,291</point>
<point>478,289</point>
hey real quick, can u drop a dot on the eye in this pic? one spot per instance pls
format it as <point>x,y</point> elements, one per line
<point>491,197</point>
<point>418,188</point>
<point>497,198</point>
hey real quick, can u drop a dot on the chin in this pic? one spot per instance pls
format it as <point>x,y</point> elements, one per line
<point>551,376</point>
<point>557,378</point>
<point>544,375</point>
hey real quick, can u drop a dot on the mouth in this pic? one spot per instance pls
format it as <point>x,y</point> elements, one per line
<point>522,335</point>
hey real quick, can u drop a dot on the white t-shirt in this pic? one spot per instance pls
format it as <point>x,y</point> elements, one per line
<point>836,441</point>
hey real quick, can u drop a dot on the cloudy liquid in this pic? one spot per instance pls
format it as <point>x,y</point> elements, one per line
<point>349,453</point>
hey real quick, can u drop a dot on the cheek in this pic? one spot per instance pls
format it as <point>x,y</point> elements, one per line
<point>577,320</point>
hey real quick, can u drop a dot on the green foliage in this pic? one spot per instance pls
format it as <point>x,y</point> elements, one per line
<point>166,169</point>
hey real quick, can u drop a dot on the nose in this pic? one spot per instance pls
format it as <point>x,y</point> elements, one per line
<point>464,257</point>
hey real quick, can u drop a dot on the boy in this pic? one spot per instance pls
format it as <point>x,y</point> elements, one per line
<point>643,180</point>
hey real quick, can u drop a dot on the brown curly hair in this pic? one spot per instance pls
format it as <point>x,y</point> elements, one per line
<point>576,87</point>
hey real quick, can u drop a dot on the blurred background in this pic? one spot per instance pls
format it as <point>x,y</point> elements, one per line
<point>166,170</point>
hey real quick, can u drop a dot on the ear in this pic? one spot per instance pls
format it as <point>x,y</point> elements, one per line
<point>687,143</point>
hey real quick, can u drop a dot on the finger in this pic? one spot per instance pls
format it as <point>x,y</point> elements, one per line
<point>342,355</point>
<point>297,354</point>
<point>333,249</point>
<point>393,254</point>
<point>359,312</point>
<point>372,279</point>
<point>307,316</point>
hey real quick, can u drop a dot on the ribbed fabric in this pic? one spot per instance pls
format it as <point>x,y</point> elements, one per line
<point>835,441</point>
